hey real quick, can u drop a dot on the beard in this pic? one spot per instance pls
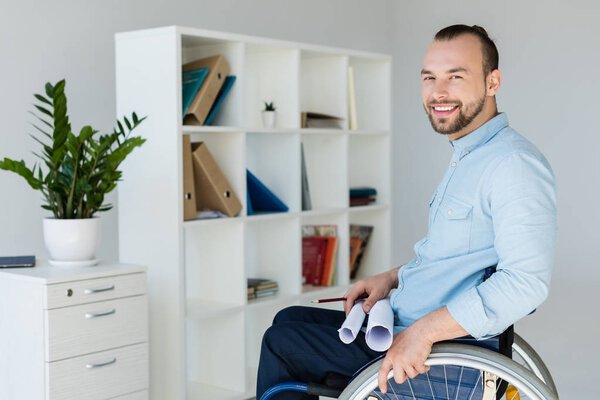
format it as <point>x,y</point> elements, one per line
<point>466,115</point>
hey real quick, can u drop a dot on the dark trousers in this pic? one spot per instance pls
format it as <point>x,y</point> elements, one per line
<point>303,345</point>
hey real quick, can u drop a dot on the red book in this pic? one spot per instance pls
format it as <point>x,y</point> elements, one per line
<point>313,256</point>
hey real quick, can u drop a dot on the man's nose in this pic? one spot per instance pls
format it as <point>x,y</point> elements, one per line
<point>440,90</point>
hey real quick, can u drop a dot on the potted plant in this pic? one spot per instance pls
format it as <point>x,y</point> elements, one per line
<point>75,173</point>
<point>268,115</point>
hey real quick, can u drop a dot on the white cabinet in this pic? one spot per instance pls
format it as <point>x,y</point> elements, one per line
<point>73,333</point>
<point>206,335</point>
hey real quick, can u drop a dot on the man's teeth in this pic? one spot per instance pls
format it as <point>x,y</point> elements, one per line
<point>446,108</point>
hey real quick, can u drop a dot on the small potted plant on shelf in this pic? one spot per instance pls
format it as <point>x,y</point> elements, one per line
<point>268,115</point>
<point>75,173</point>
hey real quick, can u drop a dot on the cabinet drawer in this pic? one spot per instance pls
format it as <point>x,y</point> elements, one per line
<point>90,290</point>
<point>99,376</point>
<point>87,328</point>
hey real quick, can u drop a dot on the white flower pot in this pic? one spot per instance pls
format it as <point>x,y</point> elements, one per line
<point>72,241</point>
<point>268,118</point>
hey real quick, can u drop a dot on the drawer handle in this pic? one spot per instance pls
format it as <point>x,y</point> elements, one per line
<point>99,290</point>
<point>104,364</point>
<point>101,314</point>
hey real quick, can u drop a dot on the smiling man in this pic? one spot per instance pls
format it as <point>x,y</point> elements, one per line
<point>495,206</point>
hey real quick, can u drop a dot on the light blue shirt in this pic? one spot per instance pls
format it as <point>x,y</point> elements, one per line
<point>495,205</point>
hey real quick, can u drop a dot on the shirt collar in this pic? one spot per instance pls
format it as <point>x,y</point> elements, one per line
<point>479,136</point>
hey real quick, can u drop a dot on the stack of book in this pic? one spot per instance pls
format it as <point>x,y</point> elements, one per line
<point>205,85</point>
<point>259,288</point>
<point>319,254</point>
<point>359,238</point>
<point>362,196</point>
<point>320,121</point>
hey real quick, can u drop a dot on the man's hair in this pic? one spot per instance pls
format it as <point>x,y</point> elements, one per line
<point>488,48</point>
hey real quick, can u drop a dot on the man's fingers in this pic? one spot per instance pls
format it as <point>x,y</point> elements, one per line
<point>422,369</point>
<point>386,365</point>
<point>399,375</point>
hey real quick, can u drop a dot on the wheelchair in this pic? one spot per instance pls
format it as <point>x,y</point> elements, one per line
<point>504,367</point>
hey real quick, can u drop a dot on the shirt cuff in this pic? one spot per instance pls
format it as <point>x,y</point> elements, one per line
<point>467,309</point>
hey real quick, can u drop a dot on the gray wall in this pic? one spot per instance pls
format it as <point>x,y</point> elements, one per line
<point>44,41</point>
<point>549,58</point>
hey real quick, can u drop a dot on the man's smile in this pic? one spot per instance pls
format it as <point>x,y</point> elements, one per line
<point>444,110</point>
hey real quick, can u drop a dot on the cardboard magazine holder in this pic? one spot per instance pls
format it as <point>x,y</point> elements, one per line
<point>218,69</point>
<point>213,191</point>
<point>189,192</point>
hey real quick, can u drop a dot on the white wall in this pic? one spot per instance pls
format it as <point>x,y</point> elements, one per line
<point>550,60</point>
<point>44,41</point>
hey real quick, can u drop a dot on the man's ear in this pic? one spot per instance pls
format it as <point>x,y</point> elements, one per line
<point>493,82</point>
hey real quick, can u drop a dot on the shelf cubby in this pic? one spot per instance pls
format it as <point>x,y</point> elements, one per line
<point>372,92</point>
<point>324,84</point>
<point>275,160</point>
<point>368,158</point>
<point>271,76</point>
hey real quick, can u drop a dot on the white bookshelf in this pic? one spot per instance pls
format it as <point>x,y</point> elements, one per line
<point>204,334</point>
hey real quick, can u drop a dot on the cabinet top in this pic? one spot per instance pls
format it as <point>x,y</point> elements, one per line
<point>46,274</point>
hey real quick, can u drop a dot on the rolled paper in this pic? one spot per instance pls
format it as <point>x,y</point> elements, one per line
<point>352,323</point>
<point>380,327</point>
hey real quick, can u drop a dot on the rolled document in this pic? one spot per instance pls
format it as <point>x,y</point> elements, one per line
<point>352,323</point>
<point>380,327</point>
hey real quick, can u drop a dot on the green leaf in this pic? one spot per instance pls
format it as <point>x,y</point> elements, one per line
<point>42,99</point>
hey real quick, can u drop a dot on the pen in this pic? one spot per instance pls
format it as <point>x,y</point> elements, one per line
<point>328,300</point>
<point>336,299</point>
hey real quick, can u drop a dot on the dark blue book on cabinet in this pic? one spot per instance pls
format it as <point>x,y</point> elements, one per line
<point>220,98</point>
<point>191,82</point>
<point>261,198</point>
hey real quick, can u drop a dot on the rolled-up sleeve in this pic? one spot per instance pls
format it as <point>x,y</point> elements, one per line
<point>522,202</point>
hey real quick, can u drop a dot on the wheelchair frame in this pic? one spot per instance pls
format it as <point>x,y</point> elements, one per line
<point>532,379</point>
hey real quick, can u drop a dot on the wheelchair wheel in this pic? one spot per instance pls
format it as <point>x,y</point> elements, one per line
<point>527,356</point>
<point>458,372</point>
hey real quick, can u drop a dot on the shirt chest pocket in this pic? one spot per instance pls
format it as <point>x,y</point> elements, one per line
<point>450,232</point>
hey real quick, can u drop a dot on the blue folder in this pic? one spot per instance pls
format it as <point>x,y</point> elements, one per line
<point>191,81</point>
<point>261,199</point>
<point>229,80</point>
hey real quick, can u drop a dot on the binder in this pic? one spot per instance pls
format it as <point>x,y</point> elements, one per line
<point>218,69</point>
<point>213,191</point>
<point>191,82</point>
<point>189,195</point>
<point>220,98</point>
<point>261,197</point>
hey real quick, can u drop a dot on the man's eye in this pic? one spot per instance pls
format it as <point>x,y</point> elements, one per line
<point>456,77</point>
<point>428,78</point>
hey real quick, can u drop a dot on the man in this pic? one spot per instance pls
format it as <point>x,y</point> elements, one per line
<point>495,206</point>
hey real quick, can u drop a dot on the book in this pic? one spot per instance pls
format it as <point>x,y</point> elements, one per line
<point>363,234</point>
<point>361,201</point>
<point>352,117</point>
<point>313,257</point>
<point>319,230</point>
<point>310,119</point>
<point>229,81</point>
<point>262,199</point>
<point>218,70</point>
<point>191,81</point>
<point>189,190</point>
<point>362,191</point>
<point>306,202</point>
<point>259,287</point>
<point>329,264</point>
<point>213,190</point>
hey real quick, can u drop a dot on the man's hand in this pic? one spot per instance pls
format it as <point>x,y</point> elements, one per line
<point>406,356</point>
<point>412,346</point>
<point>374,288</point>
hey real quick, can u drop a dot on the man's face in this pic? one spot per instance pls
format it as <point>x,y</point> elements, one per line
<point>454,86</point>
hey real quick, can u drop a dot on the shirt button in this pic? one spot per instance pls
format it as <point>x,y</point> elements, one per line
<point>453,164</point>
<point>439,200</point>
<point>418,262</point>
<point>450,212</point>
<point>400,285</point>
